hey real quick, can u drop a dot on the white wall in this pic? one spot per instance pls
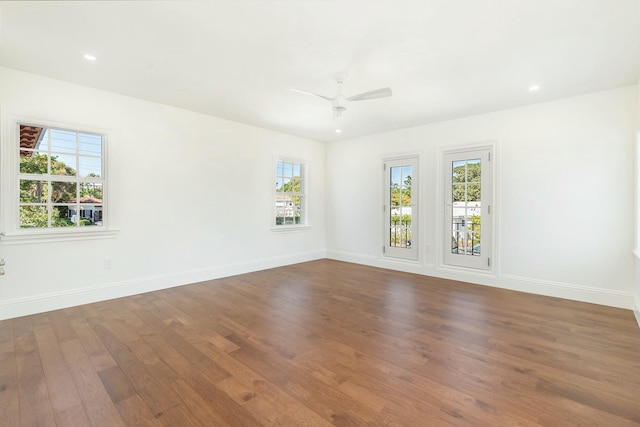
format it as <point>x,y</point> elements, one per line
<point>637,211</point>
<point>181,175</point>
<point>192,199</point>
<point>563,167</point>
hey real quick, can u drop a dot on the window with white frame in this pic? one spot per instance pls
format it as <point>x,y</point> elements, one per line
<point>289,194</point>
<point>60,177</point>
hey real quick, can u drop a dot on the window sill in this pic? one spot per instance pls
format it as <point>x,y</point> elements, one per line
<point>40,236</point>
<point>290,228</point>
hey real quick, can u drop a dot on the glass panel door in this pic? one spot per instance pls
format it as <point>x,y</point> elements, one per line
<point>400,208</point>
<point>467,209</point>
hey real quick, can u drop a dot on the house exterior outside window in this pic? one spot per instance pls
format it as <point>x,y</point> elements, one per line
<point>289,195</point>
<point>54,182</point>
<point>60,173</point>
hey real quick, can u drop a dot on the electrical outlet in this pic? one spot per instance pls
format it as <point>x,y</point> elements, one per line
<point>1,266</point>
<point>108,263</point>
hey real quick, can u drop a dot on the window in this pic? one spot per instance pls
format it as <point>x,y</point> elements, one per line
<point>60,178</point>
<point>289,194</point>
<point>468,188</point>
<point>54,182</point>
<point>400,208</point>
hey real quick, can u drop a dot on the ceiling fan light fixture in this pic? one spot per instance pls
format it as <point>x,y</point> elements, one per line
<point>339,101</point>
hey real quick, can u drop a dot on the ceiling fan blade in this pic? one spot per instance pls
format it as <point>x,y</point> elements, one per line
<point>312,94</point>
<point>378,93</point>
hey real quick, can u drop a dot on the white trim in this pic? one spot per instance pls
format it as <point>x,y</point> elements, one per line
<point>440,240</point>
<point>412,254</point>
<point>593,295</point>
<point>636,310</point>
<point>57,235</point>
<point>458,269</point>
<point>11,233</point>
<point>370,260</point>
<point>57,300</point>
<point>304,171</point>
<point>636,206</point>
<point>290,228</point>
<point>636,191</point>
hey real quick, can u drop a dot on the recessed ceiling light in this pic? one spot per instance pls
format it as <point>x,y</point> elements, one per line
<point>338,131</point>
<point>89,57</point>
<point>534,88</point>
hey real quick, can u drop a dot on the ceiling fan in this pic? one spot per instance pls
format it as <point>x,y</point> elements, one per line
<point>339,101</point>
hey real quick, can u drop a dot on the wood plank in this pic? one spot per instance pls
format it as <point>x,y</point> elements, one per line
<point>96,400</point>
<point>9,401</point>
<point>94,348</point>
<point>117,384</point>
<point>244,385</point>
<point>157,395</point>
<point>323,343</point>
<point>331,404</point>
<point>65,402</point>
<point>204,408</point>
<point>35,404</point>
<point>134,412</point>
<point>61,326</point>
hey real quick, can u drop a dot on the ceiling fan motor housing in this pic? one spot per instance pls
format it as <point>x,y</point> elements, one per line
<point>338,103</point>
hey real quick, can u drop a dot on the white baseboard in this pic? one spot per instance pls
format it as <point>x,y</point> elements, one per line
<point>53,301</point>
<point>636,309</point>
<point>593,295</point>
<point>574,292</point>
<point>354,258</point>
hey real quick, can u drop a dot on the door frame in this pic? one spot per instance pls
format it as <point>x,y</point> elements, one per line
<point>488,265</point>
<point>402,254</point>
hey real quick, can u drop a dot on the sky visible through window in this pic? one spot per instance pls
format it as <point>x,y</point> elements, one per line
<point>63,145</point>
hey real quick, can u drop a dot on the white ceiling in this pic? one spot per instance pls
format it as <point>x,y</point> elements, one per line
<point>238,59</point>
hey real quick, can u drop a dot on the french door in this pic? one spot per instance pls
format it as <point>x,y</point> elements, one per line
<point>400,208</point>
<point>468,199</point>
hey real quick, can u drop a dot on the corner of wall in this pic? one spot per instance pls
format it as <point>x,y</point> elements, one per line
<point>59,300</point>
<point>636,292</point>
<point>636,310</point>
<point>638,103</point>
<point>592,295</point>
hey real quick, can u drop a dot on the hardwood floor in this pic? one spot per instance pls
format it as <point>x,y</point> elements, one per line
<point>323,343</point>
